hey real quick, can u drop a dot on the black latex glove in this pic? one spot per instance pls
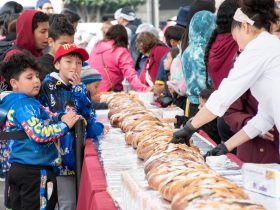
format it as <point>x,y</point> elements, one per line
<point>183,136</point>
<point>220,149</point>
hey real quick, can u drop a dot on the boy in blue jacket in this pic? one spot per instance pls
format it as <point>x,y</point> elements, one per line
<point>31,179</point>
<point>58,90</point>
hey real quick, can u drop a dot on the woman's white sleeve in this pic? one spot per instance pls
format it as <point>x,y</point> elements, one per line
<point>259,124</point>
<point>246,71</point>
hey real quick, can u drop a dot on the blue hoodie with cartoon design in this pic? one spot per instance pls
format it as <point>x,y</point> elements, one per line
<point>19,112</point>
<point>201,27</point>
<point>60,97</point>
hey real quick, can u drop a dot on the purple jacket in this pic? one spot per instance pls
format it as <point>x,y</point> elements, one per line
<point>119,66</point>
<point>256,150</point>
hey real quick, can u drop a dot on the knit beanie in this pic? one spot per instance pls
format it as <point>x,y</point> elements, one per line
<point>40,3</point>
<point>89,75</point>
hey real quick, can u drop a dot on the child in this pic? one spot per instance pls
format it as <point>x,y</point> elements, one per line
<point>57,89</point>
<point>61,32</point>
<point>163,90</point>
<point>32,33</point>
<point>210,128</point>
<point>172,36</point>
<point>91,78</point>
<point>31,178</point>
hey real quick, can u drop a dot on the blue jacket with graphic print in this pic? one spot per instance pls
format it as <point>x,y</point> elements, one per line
<point>201,27</point>
<point>19,112</point>
<point>64,98</point>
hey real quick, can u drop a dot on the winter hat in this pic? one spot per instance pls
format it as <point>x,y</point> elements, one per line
<point>182,16</point>
<point>69,48</point>
<point>126,13</point>
<point>146,27</point>
<point>40,3</point>
<point>89,75</point>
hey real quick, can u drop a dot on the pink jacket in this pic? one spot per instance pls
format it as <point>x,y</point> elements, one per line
<point>119,64</point>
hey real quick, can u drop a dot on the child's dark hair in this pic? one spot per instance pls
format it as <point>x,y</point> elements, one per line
<point>205,93</point>
<point>173,32</point>
<point>262,12</point>
<point>174,51</point>
<point>54,16</point>
<point>60,26</point>
<point>16,65</point>
<point>118,34</point>
<point>72,54</point>
<point>69,103</point>
<point>39,17</point>
<point>72,16</point>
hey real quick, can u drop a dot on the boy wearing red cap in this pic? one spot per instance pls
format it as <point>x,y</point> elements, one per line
<point>63,88</point>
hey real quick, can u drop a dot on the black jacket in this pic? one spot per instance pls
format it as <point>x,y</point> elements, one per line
<point>46,64</point>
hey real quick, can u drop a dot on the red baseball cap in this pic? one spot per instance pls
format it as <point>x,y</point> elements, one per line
<point>69,48</point>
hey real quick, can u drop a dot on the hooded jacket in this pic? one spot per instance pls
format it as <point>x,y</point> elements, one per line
<point>119,66</point>
<point>55,95</point>
<point>24,35</point>
<point>221,58</point>
<point>200,30</point>
<point>20,112</point>
<point>257,150</point>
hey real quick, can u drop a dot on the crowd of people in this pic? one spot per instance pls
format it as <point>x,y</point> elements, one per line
<point>212,63</point>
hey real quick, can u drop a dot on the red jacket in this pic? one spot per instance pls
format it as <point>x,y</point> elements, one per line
<point>157,52</point>
<point>256,150</point>
<point>221,58</point>
<point>25,39</point>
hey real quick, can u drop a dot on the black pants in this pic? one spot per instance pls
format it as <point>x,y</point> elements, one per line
<point>224,130</point>
<point>30,186</point>
<point>7,202</point>
<point>193,109</point>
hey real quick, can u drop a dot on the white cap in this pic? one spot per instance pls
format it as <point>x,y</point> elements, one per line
<point>126,13</point>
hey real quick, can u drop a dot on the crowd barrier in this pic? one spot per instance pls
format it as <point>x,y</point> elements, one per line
<point>92,191</point>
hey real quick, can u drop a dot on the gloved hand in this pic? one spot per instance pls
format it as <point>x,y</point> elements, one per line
<point>220,149</point>
<point>183,136</point>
